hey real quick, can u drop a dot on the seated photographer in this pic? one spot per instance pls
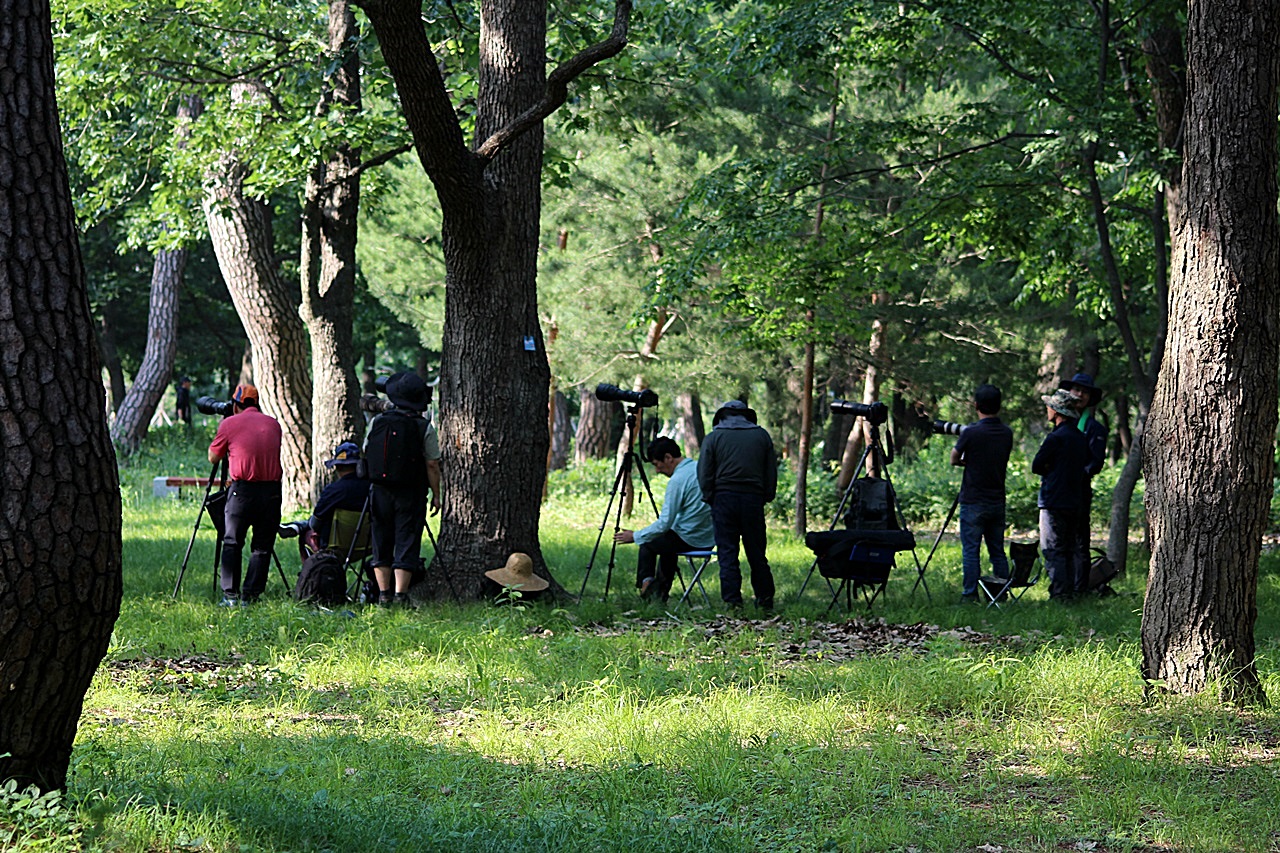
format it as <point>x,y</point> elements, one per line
<point>683,525</point>
<point>349,492</point>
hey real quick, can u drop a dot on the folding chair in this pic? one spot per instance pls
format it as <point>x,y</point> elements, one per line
<point>1027,566</point>
<point>350,538</point>
<point>860,559</point>
<point>698,561</point>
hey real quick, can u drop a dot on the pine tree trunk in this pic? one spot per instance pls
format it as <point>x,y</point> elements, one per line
<point>328,263</point>
<point>1209,444</point>
<point>241,231</point>
<point>149,384</point>
<point>690,430</point>
<point>561,432</point>
<point>591,439</point>
<point>60,545</point>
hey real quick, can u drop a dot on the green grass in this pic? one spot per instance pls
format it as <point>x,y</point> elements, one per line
<point>608,725</point>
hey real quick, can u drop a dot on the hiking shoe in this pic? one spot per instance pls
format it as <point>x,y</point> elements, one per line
<point>969,598</point>
<point>231,601</point>
<point>644,587</point>
<point>402,600</point>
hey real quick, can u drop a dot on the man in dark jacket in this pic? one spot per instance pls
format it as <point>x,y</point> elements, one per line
<point>348,492</point>
<point>1061,462</point>
<point>1087,396</point>
<point>738,474</point>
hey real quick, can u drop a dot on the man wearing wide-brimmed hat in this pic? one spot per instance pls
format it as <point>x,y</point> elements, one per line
<point>1061,462</point>
<point>738,474</point>
<point>1095,434</point>
<point>402,455</point>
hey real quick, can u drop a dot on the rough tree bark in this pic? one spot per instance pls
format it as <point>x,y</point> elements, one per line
<point>328,261</point>
<point>860,434</point>
<point>1210,448</point>
<point>241,231</point>
<point>494,371</point>
<point>591,439</point>
<point>60,547</point>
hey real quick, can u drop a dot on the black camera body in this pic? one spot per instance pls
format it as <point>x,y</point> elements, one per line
<point>607,393</point>
<point>876,413</point>
<point>211,406</point>
<point>946,428</point>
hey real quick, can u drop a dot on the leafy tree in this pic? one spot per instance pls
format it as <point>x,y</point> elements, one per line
<point>494,372</point>
<point>60,548</point>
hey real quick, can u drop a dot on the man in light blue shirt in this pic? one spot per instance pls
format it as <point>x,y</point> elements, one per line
<point>683,525</point>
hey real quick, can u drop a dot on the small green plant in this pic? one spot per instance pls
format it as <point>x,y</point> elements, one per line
<point>510,596</point>
<point>31,820</point>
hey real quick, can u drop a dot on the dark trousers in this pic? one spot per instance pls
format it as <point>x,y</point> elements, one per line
<point>739,517</point>
<point>979,523</point>
<point>1084,536</point>
<point>1060,543</point>
<point>255,507</point>
<point>399,514</point>
<point>659,559</point>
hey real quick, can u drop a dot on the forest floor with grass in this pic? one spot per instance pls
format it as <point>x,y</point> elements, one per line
<point>618,725</point>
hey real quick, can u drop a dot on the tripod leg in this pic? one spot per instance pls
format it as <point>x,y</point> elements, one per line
<point>608,510</point>
<point>439,559</point>
<point>280,570</point>
<point>204,504</point>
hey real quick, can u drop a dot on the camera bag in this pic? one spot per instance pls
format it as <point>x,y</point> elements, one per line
<point>322,579</point>
<point>393,450</point>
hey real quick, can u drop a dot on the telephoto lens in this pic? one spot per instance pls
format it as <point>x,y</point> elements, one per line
<point>607,393</point>
<point>946,428</point>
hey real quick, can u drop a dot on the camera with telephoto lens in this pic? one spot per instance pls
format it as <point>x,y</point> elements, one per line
<point>875,413</point>
<point>607,393</point>
<point>372,403</point>
<point>212,406</point>
<point>946,428</point>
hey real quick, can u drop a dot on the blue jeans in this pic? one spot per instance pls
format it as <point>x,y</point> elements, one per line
<point>740,516</point>
<point>979,523</point>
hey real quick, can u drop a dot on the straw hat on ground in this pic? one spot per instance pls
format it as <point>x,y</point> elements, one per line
<point>518,572</point>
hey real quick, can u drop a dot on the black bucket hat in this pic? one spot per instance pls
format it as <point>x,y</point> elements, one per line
<point>407,390</point>
<point>1085,381</point>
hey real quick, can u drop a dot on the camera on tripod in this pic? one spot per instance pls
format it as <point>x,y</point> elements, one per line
<point>876,413</point>
<point>946,428</point>
<point>213,406</point>
<point>607,393</point>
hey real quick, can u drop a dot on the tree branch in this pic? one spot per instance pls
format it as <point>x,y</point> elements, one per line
<point>558,81</point>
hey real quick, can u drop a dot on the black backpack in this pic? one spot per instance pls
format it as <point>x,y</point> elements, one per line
<point>873,506</point>
<point>322,579</point>
<point>393,450</point>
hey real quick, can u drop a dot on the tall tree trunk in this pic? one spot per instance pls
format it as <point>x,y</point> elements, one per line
<point>1210,444</point>
<point>591,439</point>
<point>60,546</point>
<point>328,263</point>
<point>689,426</point>
<point>494,373</point>
<point>139,405</point>
<point>632,443</point>
<point>241,230</point>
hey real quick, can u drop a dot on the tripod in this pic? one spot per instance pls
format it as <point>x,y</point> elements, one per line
<point>635,424</point>
<point>879,460</point>
<point>210,501</point>
<point>439,558</point>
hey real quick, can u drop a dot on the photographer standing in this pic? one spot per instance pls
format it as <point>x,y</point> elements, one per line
<point>983,451</point>
<point>402,453</point>
<point>1095,435</point>
<point>1061,462</point>
<point>738,473</point>
<point>250,442</point>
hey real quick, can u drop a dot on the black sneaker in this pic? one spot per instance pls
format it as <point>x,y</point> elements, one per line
<point>402,600</point>
<point>969,598</point>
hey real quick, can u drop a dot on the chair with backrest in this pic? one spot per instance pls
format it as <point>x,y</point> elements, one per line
<point>350,538</point>
<point>1027,565</point>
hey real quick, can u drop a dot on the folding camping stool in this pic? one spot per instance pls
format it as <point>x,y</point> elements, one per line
<point>1025,557</point>
<point>698,562</point>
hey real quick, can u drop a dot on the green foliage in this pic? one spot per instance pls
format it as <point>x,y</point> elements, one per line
<point>34,821</point>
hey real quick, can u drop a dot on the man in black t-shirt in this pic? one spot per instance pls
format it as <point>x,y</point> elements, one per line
<point>983,451</point>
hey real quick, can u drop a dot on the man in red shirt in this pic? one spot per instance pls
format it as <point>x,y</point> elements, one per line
<point>250,442</point>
